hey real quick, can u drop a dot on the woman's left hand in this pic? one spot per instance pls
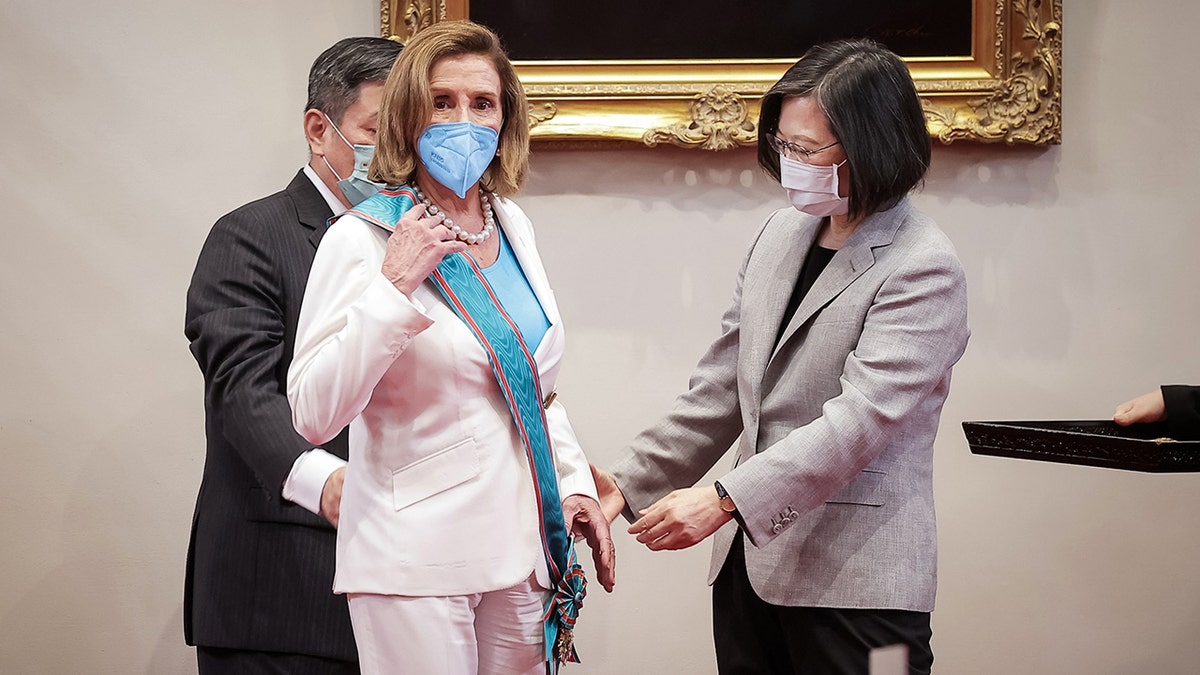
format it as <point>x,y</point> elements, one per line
<point>682,519</point>
<point>584,517</point>
<point>1148,407</point>
<point>611,499</point>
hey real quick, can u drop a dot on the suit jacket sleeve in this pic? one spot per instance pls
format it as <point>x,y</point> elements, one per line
<point>570,464</point>
<point>353,325</point>
<point>915,330</point>
<point>235,323</point>
<point>1183,410</point>
<point>703,422</point>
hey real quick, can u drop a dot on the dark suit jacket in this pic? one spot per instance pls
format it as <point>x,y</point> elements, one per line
<point>259,568</point>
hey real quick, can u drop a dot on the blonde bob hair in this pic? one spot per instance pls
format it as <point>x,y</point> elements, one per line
<point>408,107</point>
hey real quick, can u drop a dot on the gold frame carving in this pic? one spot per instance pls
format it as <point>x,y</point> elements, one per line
<point>1008,91</point>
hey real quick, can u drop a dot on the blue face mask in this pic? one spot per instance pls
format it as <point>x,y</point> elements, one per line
<point>356,187</point>
<point>456,154</point>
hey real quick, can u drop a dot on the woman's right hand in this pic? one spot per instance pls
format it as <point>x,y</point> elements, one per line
<point>415,248</point>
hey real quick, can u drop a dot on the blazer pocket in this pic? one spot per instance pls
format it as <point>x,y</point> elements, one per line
<point>435,473</point>
<point>864,490</point>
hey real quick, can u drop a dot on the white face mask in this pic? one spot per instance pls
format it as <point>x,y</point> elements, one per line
<point>813,189</point>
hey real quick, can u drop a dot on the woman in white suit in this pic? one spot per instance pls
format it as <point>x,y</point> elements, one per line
<point>429,327</point>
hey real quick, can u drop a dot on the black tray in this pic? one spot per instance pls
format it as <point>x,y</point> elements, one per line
<point>1140,447</point>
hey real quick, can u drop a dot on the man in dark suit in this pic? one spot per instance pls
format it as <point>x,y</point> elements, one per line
<point>258,591</point>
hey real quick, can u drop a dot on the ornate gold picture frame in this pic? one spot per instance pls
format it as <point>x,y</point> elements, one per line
<point>1008,90</point>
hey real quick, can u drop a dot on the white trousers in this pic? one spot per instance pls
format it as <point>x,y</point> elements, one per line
<point>494,633</point>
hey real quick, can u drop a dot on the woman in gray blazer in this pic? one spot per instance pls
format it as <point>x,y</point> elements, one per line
<point>832,366</point>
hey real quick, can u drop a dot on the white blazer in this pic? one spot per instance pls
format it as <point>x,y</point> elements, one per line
<point>438,497</point>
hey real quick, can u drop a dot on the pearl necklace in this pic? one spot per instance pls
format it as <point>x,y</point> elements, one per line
<point>489,219</point>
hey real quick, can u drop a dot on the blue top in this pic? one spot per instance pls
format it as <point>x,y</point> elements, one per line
<point>516,295</point>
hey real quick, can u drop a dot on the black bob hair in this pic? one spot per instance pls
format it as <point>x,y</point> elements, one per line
<point>868,96</point>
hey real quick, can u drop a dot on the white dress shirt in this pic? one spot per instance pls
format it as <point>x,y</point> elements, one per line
<point>306,482</point>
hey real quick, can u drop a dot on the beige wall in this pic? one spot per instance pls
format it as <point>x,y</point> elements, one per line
<point>129,129</point>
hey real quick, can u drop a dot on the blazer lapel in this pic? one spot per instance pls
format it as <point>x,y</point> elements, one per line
<point>767,289</point>
<point>522,246</point>
<point>311,209</point>
<point>854,258</point>
<point>521,241</point>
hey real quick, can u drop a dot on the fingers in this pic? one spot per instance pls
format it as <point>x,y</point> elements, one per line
<point>1122,415</point>
<point>435,224</point>
<point>417,247</point>
<point>605,560</point>
<point>648,530</point>
<point>414,214</point>
<point>652,536</point>
<point>681,519</point>
<point>1148,407</point>
<point>604,552</point>
<point>453,245</point>
<point>595,530</point>
<point>418,218</point>
<point>584,517</point>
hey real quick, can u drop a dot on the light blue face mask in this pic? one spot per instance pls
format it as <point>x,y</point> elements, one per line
<point>457,153</point>
<point>356,187</point>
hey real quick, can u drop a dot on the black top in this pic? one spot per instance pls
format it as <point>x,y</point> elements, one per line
<point>814,263</point>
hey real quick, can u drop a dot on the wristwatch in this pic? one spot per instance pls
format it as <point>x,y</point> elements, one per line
<point>727,504</point>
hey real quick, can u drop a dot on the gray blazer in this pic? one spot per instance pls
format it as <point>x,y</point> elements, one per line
<point>833,478</point>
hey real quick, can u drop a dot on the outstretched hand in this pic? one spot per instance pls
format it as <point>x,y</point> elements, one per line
<point>681,519</point>
<point>612,502</point>
<point>1148,407</point>
<point>584,517</point>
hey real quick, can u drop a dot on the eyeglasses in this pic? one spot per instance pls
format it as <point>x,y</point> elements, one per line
<point>793,151</point>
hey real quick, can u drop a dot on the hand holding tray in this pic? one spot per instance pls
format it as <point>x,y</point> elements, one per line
<point>1139,447</point>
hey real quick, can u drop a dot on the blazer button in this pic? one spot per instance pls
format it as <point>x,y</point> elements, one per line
<point>778,528</point>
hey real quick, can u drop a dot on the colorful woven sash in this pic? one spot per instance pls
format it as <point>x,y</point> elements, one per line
<point>465,289</point>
